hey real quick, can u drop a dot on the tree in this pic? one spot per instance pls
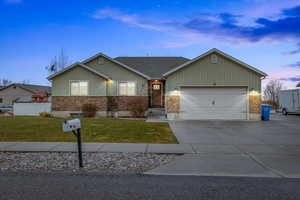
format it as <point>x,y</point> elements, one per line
<point>5,82</point>
<point>298,85</point>
<point>58,62</point>
<point>271,92</point>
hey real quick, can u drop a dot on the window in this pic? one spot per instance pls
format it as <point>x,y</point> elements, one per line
<point>1,100</point>
<point>156,87</point>
<point>127,88</point>
<point>79,88</point>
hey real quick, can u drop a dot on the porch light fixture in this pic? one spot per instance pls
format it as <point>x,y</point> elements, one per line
<point>253,92</point>
<point>175,92</point>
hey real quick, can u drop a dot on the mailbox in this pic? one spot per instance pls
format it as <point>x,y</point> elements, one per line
<point>71,125</point>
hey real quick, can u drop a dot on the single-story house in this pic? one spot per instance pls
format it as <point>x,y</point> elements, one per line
<point>213,85</point>
<point>20,92</point>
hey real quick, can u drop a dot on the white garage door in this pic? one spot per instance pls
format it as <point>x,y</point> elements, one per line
<point>213,103</point>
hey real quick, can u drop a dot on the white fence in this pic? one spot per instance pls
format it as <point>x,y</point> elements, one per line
<point>31,109</point>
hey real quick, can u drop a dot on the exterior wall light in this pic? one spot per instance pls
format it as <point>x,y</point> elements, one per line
<point>175,92</point>
<point>253,92</point>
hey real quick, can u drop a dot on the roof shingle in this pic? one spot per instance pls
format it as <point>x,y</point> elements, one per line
<point>153,67</point>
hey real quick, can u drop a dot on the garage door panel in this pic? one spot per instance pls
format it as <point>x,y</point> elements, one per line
<point>213,103</point>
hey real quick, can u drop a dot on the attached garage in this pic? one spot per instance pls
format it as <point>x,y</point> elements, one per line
<point>213,86</point>
<point>226,103</point>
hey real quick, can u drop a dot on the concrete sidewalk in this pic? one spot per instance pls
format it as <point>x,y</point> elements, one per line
<point>95,147</point>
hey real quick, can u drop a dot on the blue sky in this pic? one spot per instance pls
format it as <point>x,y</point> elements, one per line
<point>262,33</point>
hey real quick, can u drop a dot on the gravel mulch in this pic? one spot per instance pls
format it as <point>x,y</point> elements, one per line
<point>93,162</point>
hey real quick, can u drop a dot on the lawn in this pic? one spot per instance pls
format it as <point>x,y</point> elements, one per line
<point>34,129</point>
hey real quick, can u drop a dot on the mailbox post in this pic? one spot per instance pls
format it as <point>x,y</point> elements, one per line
<point>75,126</point>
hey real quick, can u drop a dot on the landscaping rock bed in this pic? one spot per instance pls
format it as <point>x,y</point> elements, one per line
<point>93,162</point>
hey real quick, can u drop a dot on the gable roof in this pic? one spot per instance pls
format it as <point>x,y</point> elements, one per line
<point>117,62</point>
<point>214,50</point>
<point>30,88</point>
<point>153,67</point>
<point>75,65</point>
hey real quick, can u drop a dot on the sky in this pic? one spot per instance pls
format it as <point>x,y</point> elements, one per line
<point>262,33</point>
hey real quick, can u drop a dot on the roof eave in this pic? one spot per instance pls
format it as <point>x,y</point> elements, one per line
<point>74,65</point>
<point>117,62</point>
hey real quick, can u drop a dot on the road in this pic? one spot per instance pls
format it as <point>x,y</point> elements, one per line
<point>99,186</point>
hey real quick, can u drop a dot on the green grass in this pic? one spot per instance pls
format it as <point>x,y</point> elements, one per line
<point>37,129</point>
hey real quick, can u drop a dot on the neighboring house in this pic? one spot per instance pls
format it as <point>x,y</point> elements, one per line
<point>213,85</point>
<point>22,92</point>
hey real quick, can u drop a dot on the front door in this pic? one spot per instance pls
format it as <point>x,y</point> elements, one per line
<point>156,94</point>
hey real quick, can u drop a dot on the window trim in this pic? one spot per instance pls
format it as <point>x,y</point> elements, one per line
<point>70,88</point>
<point>118,87</point>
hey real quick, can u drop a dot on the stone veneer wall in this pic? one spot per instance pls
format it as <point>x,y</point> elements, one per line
<point>255,107</point>
<point>124,101</point>
<point>254,104</point>
<point>74,103</point>
<point>172,104</point>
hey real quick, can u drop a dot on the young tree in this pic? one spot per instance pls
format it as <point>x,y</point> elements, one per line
<point>58,62</point>
<point>271,91</point>
<point>5,82</point>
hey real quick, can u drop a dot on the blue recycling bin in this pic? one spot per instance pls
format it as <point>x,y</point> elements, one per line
<point>265,112</point>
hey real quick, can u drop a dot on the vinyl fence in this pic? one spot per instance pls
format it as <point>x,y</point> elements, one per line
<point>31,109</point>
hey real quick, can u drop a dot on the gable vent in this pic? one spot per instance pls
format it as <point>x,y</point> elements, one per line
<point>214,59</point>
<point>100,60</point>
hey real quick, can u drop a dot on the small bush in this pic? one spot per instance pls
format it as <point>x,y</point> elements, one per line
<point>137,108</point>
<point>45,114</point>
<point>89,110</point>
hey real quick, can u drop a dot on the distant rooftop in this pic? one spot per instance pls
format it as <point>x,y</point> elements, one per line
<point>30,87</point>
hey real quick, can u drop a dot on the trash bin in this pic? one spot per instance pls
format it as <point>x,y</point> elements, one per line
<point>265,112</point>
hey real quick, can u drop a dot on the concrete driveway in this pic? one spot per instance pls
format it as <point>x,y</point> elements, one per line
<point>238,148</point>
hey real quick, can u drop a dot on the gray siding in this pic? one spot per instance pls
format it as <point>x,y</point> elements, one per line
<point>61,83</point>
<point>224,73</point>
<point>118,73</point>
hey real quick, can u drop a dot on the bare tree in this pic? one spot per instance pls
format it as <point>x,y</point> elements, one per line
<point>5,82</point>
<point>58,63</point>
<point>271,92</point>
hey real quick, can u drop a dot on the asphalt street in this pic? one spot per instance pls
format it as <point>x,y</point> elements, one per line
<point>99,186</point>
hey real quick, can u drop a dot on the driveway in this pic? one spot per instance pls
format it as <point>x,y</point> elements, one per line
<point>238,148</point>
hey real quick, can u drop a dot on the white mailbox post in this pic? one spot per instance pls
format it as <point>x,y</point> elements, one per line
<point>71,125</point>
<point>75,126</point>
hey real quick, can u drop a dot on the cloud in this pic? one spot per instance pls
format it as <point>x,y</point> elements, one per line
<point>297,64</point>
<point>296,51</point>
<point>125,18</point>
<point>293,79</point>
<point>226,27</point>
<point>13,1</point>
<point>284,27</point>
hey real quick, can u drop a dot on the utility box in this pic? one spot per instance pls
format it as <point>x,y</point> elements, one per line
<point>289,101</point>
<point>265,112</point>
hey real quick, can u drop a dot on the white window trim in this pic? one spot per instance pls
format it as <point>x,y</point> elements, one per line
<point>88,85</point>
<point>118,87</point>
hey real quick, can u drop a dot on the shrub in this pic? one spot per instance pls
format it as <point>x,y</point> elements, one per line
<point>137,108</point>
<point>89,110</point>
<point>45,114</point>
